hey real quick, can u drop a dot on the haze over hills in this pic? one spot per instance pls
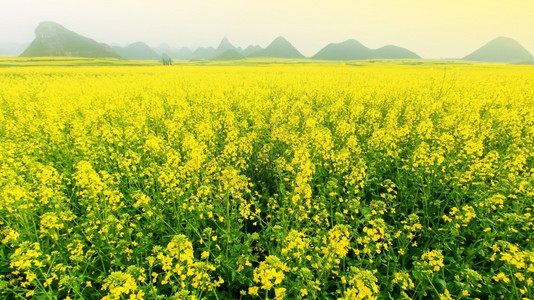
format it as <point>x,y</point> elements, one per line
<point>279,48</point>
<point>174,53</point>
<point>163,48</point>
<point>52,39</point>
<point>501,49</point>
<point>202,53</point>
<point>347,50</point>
<point>12,49</point>
<point>213,53</point>
<point>137,51</point>
<point>393,52</point>
<point>251,49</point>
<point>181,53</point>
<point>224,46</point>
<point>354,50</point>
<point>230,54</point>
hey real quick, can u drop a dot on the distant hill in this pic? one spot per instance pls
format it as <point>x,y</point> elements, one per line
<point>202,53</point>
<point>251,49</point>
<point>279,48</point>
<point>52,39</point>
<point>354,50</point>
<point>206,53</point>
<point>224,46</point>
<point>347,50</point>
<point>12,49</point>
<point>182,53</point>
<point>230,54</point>
<point>393,52</point>
<point>174,53</point>
<point>163,48</point>
<point>501,49</point>
<point>137,51</point>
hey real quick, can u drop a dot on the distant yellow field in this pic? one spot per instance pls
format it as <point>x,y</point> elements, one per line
<point>308,181</point>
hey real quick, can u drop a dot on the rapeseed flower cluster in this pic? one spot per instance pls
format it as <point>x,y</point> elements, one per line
<point>320,181</point>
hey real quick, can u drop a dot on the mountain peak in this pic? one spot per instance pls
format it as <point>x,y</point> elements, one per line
<point>47,28</point>
<point>251,49</point>
<point>504,39</point>
<point>52,39</point>
<point>137,51</point>
<point>225,44</point>
<point>279,48</point>
<point>138,44</point>
<point>280,40</point>
<point>48,24</point>
<point>353,50</point>
<point>346,50</point>
<point>352,42</point>
<point>500,49</point>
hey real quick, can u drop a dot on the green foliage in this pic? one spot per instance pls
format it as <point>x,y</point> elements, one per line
<point>166,60</point>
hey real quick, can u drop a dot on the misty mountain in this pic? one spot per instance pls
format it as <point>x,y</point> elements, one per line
<point>347,50</point>
<point>12,49</point>
<point>501,49</point>
<point>251,49</point>
<point>52,39</point>
<point>163,48</point>
<point>231,54</point>
<point>205,53</point>
<point>279,48</point>
<point>354,50</point>
<point>182,53</point>
<point>224,46</point>
<point>393,52</point>
<point>202,53</point>
<point>174,53</point>
<point>137,51</point>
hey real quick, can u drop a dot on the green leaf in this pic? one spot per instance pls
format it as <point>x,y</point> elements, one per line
<point>441,282</point>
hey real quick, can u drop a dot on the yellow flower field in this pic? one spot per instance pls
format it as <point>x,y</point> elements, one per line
<point>377,181</point>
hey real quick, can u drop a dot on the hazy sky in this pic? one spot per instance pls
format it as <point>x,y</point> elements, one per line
<point>431,28</point>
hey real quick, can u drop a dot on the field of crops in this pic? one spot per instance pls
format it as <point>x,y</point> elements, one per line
<point>311,181</point>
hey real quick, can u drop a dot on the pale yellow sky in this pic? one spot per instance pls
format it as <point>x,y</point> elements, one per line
<point>431,28</point>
